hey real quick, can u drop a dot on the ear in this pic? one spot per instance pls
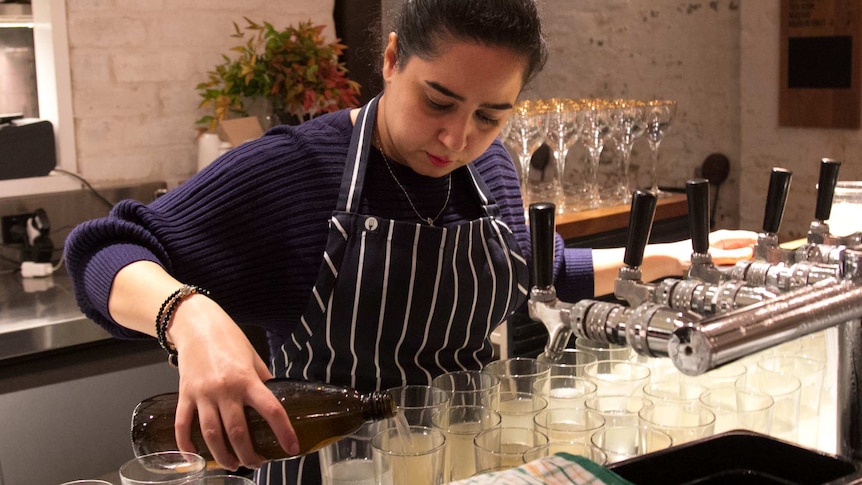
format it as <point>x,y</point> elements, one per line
<point>390,58</point>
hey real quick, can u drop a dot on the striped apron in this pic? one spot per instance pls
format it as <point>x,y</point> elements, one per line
<point>398,303</point>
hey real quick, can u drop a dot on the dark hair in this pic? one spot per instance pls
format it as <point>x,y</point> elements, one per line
<point>422,25</point>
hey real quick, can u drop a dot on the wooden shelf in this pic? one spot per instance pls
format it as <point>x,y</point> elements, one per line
<point>596,221</point>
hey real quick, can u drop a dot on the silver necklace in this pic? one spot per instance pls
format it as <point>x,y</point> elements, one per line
<point>429,220</point>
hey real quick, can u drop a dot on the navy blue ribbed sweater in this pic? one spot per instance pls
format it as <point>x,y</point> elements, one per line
<point>252,226</point>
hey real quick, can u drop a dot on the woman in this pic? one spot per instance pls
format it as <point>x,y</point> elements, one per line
<point>377,247</point>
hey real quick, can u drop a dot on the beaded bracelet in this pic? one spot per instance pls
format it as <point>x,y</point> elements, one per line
<point>163,318</point>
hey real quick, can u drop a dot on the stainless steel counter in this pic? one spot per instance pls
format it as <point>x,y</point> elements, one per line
<point>40,314</point>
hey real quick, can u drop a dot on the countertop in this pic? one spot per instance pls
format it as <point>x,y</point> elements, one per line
<point>595,221</point>
<point>40,314</point>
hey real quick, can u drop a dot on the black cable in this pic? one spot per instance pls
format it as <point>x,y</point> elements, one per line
<point>86,184</point>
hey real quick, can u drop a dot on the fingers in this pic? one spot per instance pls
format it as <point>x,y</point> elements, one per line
<point>725,257</point>
<point>266,404</point>
<point>728,239</point>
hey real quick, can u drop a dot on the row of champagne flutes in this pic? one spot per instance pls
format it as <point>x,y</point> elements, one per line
<point>562,122</point>
<point>600,402</point>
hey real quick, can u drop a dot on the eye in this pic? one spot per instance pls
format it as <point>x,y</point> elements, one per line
<point>437,106</point>
<point>485,119</point>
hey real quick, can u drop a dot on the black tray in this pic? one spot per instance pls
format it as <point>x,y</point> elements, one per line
<point>738,458</point>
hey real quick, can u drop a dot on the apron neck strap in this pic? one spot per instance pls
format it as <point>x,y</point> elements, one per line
<point>353,179</point>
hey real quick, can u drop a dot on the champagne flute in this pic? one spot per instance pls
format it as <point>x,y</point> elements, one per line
<point>594,121</point>
<point>524,135</point>
<point>628,118</point>
<point>659,114</point>
<point>562,133</point>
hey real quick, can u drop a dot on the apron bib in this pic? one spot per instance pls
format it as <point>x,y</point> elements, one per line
<point>398,303</point>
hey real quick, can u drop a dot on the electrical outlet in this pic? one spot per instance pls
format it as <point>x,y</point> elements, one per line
<point>14,228</point>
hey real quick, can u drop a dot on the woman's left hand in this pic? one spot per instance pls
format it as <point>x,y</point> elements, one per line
<point>728,247</point>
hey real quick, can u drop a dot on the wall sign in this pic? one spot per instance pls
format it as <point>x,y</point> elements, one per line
<point>820,63</point>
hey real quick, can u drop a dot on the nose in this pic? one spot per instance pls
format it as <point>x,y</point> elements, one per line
<point>455,133</point>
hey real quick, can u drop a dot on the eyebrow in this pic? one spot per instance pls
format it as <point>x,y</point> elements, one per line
<point>447,92</point>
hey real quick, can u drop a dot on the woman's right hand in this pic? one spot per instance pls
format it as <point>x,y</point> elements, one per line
<point>220,371</point>
<point>220,374</point>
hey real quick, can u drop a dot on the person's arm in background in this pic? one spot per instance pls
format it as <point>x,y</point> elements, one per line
<point>671,259</point>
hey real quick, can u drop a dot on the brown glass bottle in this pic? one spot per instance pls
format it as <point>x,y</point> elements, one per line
<point>320,414</point>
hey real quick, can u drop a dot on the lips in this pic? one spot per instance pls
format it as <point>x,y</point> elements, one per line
<point>439,161</point>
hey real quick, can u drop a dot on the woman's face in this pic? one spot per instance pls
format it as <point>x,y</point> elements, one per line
<point>440,114</point>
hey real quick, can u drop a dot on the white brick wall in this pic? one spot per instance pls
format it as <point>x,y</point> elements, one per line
<point>134,68</point>
<point>135,65</point>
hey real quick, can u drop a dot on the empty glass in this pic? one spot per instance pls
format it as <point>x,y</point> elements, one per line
<point>659,115</point>
<point>518,374</point>
<point>628,120</point>
<point>469,388</point>
<point>524,134</point>
<point>418,403</point>
<point>603,351</point>
<point>562,132</point>
<point>164,468</point>
<point>785,391</point>
<point>739,408</point>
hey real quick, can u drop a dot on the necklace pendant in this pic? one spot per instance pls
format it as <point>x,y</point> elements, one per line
<point>430,222</point>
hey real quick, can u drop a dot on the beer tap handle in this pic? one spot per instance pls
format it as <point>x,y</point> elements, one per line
<point>640,226</point>
<point>542,238</point>
<point>776,198</point>
<point>697,193</point>
<point>826,188</point>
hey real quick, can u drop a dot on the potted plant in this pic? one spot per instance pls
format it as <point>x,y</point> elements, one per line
<point>295,70</point>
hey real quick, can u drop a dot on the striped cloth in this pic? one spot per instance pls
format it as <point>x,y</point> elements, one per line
<point>557,469</point>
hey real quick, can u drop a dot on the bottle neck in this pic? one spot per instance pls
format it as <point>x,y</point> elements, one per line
<point>378,405</point>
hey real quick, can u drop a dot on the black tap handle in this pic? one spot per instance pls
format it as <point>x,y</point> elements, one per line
<point>826,188</point>
<point>779,186</point>
<point>697,194</point>
<point>542,238</point>
<point>640,226</point>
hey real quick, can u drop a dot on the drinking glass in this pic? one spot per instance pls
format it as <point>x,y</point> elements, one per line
<point>418,403</point>
<point>624,442</point>
<point>469,387</point>
<point>505,447</point>
<point>618,410</point>
<point>224,480</point>
<point>603,351</point>
<point>518,374</point>
<point>564,391</point>
<point>87,482</point>
<point>682,421</point>
<point>416,459</point>
<point>723,376</point>
<point>628,120</point>
<point>573,425</point>
<point>618,377</point>
<point>595,124</point>
<point>571,363</point>
<point>785,391</point>
<point>659,115</point>
<point>517,409</point>
<point>561,133</point>
<point>811,374</point>
<point>348,461</point>
<point>461,424</point>
<point>525,133</point>
<point>737,408</point>
<point>577,448</point>
<point>674,388</point>
<point>164,468</point>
